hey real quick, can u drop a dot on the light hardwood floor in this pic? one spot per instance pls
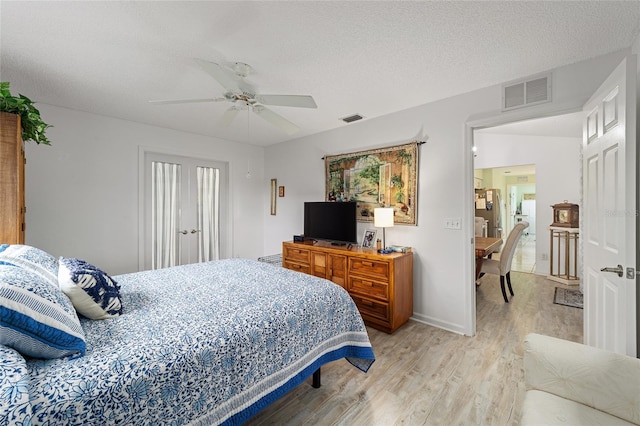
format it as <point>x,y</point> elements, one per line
<point>426,376</point>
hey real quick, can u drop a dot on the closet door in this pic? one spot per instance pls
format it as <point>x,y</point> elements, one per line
<point>184,210</point>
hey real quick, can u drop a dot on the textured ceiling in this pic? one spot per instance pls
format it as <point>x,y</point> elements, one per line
<point>371,58</point>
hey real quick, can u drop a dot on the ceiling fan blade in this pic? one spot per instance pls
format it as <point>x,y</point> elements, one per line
<point>221,75</point>
<point>300,101</point>
<point>276,119</point>
<point>228,116</point>
<point>186,101</point>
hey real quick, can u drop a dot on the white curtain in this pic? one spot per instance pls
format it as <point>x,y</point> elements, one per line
<point>208,213</point>
<point>165,214</point>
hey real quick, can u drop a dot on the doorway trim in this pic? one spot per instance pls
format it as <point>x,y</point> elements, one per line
<point>481,121</point>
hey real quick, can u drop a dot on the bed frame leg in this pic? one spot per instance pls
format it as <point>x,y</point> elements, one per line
<point>316,379</point>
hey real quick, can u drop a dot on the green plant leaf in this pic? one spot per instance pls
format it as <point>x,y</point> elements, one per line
<point>33,128</point>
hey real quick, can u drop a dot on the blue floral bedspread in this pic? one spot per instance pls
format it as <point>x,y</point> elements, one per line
<point>200,344</point>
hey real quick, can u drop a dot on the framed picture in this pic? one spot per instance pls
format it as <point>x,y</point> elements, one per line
<point>369,238</point>
<point>274,188</point>
<point>384,177</point>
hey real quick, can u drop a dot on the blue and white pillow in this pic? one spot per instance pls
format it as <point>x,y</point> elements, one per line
<point>32,259</point>
<point>92,291</point>
<point>36,318</point>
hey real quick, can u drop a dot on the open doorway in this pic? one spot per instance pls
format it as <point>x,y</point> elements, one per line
<point>517,186</point>
<point>543,152</point>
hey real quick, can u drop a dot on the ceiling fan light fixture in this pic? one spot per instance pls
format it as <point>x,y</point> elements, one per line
<point>241,69</point>
<point>243,96</point>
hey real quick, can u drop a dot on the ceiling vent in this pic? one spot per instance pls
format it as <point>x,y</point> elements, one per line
<point>522,93</point>
<point>352,118</point>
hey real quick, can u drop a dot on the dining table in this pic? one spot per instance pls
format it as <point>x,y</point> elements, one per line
<point>484,247</point>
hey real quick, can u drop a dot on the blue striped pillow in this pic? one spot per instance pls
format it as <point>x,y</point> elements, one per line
<point>36,318</point>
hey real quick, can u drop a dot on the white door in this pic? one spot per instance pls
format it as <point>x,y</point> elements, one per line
<point>608,228</point>
<point>185,201</point>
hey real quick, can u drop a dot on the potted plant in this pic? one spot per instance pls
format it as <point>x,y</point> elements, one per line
<point>33,128</point>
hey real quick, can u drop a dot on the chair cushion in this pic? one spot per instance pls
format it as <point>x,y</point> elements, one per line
<point>604,380</point>
<point>543,408</point>
<point>491,266</point>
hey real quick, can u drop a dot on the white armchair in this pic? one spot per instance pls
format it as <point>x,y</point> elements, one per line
<point>573,384</point>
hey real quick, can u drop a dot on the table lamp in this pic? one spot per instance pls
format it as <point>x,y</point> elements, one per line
<point>383,218</point>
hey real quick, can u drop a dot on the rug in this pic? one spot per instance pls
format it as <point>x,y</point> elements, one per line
<point>568,297</point>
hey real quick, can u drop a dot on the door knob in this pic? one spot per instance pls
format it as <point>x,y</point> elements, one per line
<point>618,270</point>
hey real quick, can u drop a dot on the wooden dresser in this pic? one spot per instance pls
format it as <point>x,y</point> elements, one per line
<point>12,204</point>
<point>381,285</point>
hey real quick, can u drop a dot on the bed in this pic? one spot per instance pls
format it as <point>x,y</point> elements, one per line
<point>200,344</point>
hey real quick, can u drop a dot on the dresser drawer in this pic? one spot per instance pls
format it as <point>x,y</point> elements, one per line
<point>369,267</point>
<point>368,287</point>
<point>301,255</point>
<point>372,308</point>
<point>297,267</point>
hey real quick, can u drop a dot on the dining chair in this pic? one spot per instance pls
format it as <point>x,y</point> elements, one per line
<point>502,266</point>
<point>480,226</point>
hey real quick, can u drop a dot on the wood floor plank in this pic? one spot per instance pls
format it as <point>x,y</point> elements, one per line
<point>427,376</point>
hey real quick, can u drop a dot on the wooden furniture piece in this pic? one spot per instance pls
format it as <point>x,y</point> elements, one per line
<point>565,257</point>
<point>484,247</point>
<point>381,285</point>
<point>12,160</point>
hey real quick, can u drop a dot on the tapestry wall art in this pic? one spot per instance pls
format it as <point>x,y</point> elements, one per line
<point>384,177</point>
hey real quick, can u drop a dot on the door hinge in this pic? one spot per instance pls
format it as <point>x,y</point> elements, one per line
<point>631,274</point>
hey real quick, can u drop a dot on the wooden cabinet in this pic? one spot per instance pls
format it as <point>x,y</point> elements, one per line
<point>380,285</point>
<point>12,204</point>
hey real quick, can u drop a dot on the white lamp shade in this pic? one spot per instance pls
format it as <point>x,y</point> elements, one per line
<point>383,217</point>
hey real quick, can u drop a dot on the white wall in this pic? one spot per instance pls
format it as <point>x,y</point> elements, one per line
<point>82,192</point>
<point>558,174</point>
<point>443,259</point>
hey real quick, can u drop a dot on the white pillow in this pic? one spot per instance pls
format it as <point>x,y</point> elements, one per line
<point>93,292</point>
<point>32,259</point>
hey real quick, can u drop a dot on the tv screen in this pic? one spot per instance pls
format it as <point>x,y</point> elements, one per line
<point>332,221</point>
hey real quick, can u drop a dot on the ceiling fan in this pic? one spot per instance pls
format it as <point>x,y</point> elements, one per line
<point>244,96</point>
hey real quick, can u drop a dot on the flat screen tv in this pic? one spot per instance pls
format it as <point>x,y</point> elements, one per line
<point>330,221</point>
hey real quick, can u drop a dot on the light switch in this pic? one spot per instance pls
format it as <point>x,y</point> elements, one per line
<point>453,223</point>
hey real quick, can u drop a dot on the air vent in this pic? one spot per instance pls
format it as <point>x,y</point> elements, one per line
<point>531,91</point>
<point>352,118</point>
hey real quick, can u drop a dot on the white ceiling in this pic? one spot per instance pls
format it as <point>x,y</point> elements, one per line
<point>371,58</point>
